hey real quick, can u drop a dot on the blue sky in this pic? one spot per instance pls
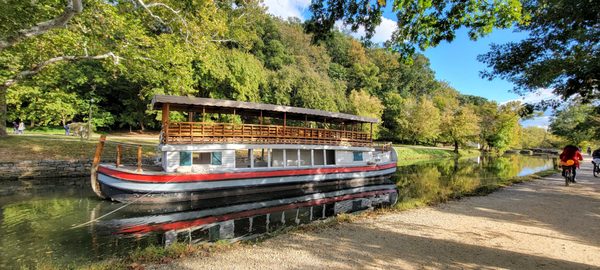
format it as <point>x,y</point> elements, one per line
<point>455,62</point>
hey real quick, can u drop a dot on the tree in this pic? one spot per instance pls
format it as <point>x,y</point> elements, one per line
<point>560,53</point>
<point>569,122</point>
<point>364,104</point>
<point>421,24</point>
<point>460,126</point>
<point>424,121</point>
<point>122,31</point>
<point>503,128</point>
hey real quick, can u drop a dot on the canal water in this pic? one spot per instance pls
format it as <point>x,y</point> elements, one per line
<point>50,226</point>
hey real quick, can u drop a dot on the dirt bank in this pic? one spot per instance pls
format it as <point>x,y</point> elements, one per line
<point>539,224</point>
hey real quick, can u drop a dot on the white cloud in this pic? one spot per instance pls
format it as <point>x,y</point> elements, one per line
<point>537,96</point>
<point>383,32</point>
<point>287,8</point>
<point>540,121</point>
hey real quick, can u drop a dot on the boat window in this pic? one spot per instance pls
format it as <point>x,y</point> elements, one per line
<point>304,157</point>
<point>242,158</point>
<point>330,157</point>
<point>319,157</point>
<point>185,158</point>
<point>216,158</point>
<point>201,158</point>
<point>358,155</point>
<point>277,158</point>
<point>291,155</point>
<point>260,157</point>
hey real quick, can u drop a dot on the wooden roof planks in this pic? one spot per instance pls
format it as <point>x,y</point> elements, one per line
<point>209,105</point>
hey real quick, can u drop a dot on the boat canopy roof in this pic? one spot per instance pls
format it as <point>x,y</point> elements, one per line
<point>209,105</point>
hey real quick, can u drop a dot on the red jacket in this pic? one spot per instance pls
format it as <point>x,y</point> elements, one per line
<point>575,156</point>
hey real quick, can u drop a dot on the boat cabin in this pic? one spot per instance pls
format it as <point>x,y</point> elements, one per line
<point>224,135</point>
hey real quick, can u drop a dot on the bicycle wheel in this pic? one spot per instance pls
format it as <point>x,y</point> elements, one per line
<point>596,170</point>
<point>568,175</point>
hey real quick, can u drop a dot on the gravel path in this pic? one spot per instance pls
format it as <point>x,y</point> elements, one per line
<point>540,224</point>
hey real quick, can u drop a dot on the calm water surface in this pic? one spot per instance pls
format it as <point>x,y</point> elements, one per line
<point>37,229</point>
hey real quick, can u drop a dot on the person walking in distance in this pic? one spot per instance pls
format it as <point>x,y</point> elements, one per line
<point>21,128</point>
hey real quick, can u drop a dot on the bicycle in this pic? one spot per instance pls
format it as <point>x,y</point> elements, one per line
<point>568,171</point>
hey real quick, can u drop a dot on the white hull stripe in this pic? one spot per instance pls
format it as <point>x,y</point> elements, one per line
<point>204,185</point>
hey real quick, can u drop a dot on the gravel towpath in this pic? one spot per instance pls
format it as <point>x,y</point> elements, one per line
<point>536,225</point>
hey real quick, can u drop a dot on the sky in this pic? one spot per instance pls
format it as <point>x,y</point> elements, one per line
<point>455,63</point>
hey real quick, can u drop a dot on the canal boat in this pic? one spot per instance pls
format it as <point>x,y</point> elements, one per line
<point>228,149</point>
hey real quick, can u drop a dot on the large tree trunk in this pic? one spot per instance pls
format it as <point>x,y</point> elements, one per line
<point>3,111</point>
<point>456,146</point>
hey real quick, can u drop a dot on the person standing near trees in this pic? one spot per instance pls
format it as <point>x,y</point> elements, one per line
<point>21,127</point>
<point>15,127</point>
<point>67,132</point>
<point>589,150</point>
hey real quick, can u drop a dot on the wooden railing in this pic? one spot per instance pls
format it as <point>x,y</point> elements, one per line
<point>202,133</point>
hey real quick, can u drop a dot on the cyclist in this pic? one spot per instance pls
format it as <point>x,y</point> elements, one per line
<point>596,157</point>
<point>596,154</point>
<point>571,152</point>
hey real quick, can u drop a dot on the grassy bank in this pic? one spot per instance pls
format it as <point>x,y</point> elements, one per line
<point>408,154</point>
<point>58,147</point>
<point>159,255</point>
<point>481,190</point>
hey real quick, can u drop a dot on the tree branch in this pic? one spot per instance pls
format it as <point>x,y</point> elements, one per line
<point>159,19</point>
<point>24,74</point>
<point>73,7</point>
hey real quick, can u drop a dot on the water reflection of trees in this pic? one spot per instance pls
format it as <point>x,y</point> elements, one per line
<point>438,181</point>
<point>37,233</point>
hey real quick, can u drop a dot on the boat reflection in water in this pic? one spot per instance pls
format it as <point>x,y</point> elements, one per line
<point>202,221</point>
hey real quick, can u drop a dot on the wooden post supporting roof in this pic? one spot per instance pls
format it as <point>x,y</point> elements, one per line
<point>371,133</point>
<point>261,117</point>
<point>165,122</point>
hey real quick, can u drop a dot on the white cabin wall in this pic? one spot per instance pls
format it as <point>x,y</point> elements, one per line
<point>170,161</point>
<point>347,158</point>
<point>343,158</point>
<point>228,159</point>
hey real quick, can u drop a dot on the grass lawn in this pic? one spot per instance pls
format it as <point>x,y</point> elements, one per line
<point>50,146</point>
<point>411,153</point>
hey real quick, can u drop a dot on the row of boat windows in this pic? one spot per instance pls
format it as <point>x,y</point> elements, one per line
<point>257,158</point>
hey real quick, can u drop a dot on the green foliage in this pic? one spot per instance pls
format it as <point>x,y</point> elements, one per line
<point>536,137</point>
<point>224,49</point>
<point>424,120</point>
<point>364,104</point>
<point>561,51</point>
<point>569,123</point>
<point>461,125</point>
<point>421,24</point>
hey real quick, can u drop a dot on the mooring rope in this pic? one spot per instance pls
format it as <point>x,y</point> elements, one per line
<point>126,204</point>
<point>120,208</point>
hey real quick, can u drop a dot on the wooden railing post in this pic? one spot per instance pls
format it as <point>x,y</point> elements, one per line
<point>139,158</point>
<point>118,161</point>
<point>95,164</point>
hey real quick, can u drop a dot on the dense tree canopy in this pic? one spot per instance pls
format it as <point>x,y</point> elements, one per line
<point>561,51</point>
<point>421,24</point>
<point>114,56</point>
<point>570,123</point>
